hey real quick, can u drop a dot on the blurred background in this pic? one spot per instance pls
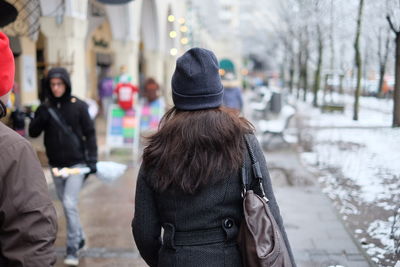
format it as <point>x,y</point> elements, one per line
<point>319,79</point>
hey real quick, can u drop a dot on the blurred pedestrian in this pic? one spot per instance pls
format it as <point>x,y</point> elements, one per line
<point>152,108</point>
<point>152,89</point>
<point>123,76</point>
<point>70,141</point>
<point>126,94</point>
<point>189,183</point>
<point>105,89</point>
<point>28,221</point>
<point>232,92</point>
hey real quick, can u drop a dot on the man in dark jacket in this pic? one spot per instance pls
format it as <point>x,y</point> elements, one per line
<point>70,141</point>
<point>28,221</point>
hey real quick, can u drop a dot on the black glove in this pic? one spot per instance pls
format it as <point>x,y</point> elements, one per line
<point>92,167</point>
<point>43,113</point>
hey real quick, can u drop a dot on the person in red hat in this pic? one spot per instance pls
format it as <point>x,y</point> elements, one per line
<point>28,221</point>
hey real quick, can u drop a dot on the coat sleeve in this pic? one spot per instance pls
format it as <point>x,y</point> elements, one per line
<point>40,120</point>
<point>89,133</point>
<point>146,227</point>
<point>27,216</point>
<point>259,154</point>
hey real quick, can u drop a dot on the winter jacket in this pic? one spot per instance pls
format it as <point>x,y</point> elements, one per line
<point>28,222</point>
<point>59,148</point>
<point>199,229</point>
<point>233,98</point>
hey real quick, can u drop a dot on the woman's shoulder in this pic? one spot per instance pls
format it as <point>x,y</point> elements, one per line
<point>252,139</point>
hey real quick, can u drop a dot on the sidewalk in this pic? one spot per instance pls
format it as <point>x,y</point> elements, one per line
<point>318,238</point>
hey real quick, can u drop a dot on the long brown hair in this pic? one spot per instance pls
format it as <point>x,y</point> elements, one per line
<point>195,148</point>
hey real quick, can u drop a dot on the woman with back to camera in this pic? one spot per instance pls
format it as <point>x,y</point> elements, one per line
<point>189,183</point>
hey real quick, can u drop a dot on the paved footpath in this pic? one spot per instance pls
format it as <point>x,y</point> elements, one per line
<point>317,236</point>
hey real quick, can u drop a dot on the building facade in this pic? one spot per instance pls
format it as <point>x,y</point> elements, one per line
<point>88,37</point>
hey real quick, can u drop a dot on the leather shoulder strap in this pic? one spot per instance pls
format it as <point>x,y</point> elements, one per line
<point>255,167</point>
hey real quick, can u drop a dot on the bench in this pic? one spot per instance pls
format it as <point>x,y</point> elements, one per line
<point>276,127</point>
<point>260,106</point>
<point>332,107</point>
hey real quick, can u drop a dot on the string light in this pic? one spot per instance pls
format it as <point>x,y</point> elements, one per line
<point>173,51</point>
<point>181,21</point>
<point>172,34</point>
<point>171,18</point>
<point>183,28</point>
<point>184,40</point>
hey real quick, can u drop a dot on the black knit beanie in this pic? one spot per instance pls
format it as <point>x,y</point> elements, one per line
<point>196,83</point>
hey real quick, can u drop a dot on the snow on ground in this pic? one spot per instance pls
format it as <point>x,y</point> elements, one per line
<point>359,164</point>
<point>372,113</point>
<point>364,156</point>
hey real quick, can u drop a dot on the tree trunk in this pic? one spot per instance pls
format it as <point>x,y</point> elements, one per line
<point>291,74</point>
<point>341,84</point>
<point>358,62</point>
<point>300,59</point>
<point>317,78</point>
<point>305,69</point>
<point>383,61</point>
<point>283,72</point>
<point>325,88</point>
<point>396,95</point>
<point>332,44</point>
<point>305,80</point>
<point>381,76</point>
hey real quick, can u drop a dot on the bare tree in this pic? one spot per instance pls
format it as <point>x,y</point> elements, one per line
<point>287,34</point>
<point>317,76</point>
<point>320,45</point>
<point>396,95</point>
<point>331,36</point>
<point>383,54</point>
<point>358,61</point>
<point>303,59</point>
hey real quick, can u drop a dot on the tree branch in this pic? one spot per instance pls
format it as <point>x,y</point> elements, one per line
<point>391,25</point>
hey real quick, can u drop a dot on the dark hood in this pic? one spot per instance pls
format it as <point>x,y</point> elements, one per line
<point>63,75</point>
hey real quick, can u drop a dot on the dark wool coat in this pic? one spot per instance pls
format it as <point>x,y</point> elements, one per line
<point>192,223</point>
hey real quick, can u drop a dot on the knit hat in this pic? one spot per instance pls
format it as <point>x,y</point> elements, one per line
<point>7,68</point>
<point>196,83</point>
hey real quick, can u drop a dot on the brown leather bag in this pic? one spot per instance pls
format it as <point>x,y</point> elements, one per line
<point>260,239</point>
